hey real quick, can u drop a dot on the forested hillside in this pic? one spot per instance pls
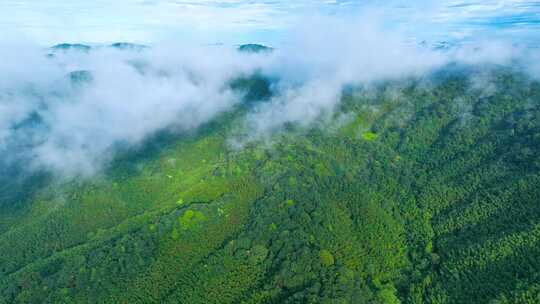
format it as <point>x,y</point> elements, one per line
<point>423,190</point>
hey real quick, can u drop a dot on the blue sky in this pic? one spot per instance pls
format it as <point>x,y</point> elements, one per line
<point>242,21</point>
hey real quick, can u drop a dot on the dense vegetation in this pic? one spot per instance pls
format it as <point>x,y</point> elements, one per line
<point>418,191</point>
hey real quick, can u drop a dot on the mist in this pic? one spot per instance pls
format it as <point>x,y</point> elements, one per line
<point>68,111</point>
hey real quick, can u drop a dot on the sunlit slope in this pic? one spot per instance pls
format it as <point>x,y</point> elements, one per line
<point>414,193</point>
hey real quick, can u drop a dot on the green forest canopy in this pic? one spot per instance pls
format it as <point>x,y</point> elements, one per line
<point>428,196</point>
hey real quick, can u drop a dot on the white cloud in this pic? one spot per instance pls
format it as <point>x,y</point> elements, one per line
<point>326,54</point>
<point>78,127</point>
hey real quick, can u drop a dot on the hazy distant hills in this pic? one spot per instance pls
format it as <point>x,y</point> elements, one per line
<point>86,48</point>
<point>70,46</point>
<point>249,48</point>
<point>254,48</point>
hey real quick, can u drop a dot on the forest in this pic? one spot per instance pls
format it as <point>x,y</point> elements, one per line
<point>419,190</point>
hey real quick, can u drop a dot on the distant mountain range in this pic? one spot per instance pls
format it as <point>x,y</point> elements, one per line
<point>87,48</point>
<point>248,48</point>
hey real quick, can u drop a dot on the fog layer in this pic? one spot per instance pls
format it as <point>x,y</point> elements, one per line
<point>68,110</point>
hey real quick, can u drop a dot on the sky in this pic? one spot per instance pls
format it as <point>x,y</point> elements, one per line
<point>267,21</point>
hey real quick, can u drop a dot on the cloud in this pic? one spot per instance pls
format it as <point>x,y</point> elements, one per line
<point>73,126</point>
<point>70,112</point>
<point>327,54</point>
<point>324,55</point>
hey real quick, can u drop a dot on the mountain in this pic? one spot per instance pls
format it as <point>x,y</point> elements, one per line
<point>254,48</point>
<point>426,196</point>
<point>128,46</point>
<point>248,48</point>
<point>87,48</point>
<point>69,46</point>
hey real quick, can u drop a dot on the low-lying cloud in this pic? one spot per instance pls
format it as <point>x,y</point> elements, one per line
<point>325,55</point>
<point>73,108</point>
<point>68,112</point>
